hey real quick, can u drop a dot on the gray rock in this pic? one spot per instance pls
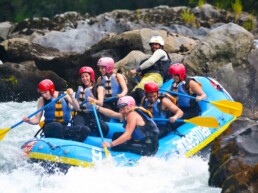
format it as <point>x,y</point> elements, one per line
<point>19,81</point>
<point>233,159</point>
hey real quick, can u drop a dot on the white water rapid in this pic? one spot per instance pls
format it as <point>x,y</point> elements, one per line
<point>176,175</point>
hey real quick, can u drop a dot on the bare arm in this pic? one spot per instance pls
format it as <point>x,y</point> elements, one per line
<point>109,113</point>
<point>71,99</point>
<point>131,125</point>
<point>123,85</point>
<point>197,89</point>
<point>99,80</point>
<point>168,104</point>
<point>36,119</point>
<point>100,99</point>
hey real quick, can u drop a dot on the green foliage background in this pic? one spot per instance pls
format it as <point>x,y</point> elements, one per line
<point>18,10</point>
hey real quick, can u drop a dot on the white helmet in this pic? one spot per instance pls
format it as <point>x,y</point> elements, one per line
<point>157,39</point>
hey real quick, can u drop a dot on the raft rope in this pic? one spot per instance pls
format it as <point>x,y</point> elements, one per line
<point>54,147</point>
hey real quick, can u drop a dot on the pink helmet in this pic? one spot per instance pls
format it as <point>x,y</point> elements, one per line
<point>125,100</point>
<point>178,69</point>
<point>86,69</point>
<point>46,85</point>
<point>108,63</point>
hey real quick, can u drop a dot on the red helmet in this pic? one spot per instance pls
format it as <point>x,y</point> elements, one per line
<point>177,69</point>
<point>125,100</point>
<point>151,87</point>
<point>86,69</point>
<point>108,63</point>
<point>46,85</point>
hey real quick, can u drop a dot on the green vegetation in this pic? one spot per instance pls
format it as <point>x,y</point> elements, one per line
<point>188,17</point>
<point>249,24</point>
<point>247,5</point>
<point>201,3</point>
<point>138,14</point>
<point>18,10</point>
<point>12,79</point>
<point>237,8</point>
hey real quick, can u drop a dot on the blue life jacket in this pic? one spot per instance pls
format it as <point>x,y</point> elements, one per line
<point>111,85</point>
<point>186,102</point>
<point>57,112</point>
<point>82,94</point>
<point>156,110</point>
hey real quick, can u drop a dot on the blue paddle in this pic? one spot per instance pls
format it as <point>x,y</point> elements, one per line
<point>3,132</point>
<point>110,99</point>
<point>106,100</point>
<point>100,130</point>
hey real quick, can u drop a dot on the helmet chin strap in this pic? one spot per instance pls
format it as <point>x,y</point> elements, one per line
<point>109,74</point>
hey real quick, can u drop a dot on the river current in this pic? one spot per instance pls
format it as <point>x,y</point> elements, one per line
<point>150,175</point>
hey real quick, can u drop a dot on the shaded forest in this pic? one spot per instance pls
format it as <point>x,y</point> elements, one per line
<point>18,10</point>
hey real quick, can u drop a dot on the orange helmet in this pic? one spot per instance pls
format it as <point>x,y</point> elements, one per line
<point>46,85</point>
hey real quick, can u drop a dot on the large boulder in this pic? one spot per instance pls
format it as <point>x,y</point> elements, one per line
<point>133,47</point>
<point>228,43</point>
<point>18,50</point>
<point>4,29</point>
<point>19,82</point>
<point>234,157</point>
<point>223,54</point>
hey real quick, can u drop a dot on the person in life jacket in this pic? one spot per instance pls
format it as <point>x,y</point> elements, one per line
<point>153,69</point>
<point>57,115</point>
<point>187,86</point>
<point>88,93</point>
<point>162,107</point>
<point>114,83</point>
<point>141,132</point>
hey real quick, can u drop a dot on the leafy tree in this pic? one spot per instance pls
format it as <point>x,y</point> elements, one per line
<point>17,10</point>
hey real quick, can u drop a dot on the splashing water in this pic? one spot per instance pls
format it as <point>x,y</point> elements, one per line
<point>150,175</point>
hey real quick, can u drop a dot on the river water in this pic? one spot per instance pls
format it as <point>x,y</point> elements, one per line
<point>150,175</point>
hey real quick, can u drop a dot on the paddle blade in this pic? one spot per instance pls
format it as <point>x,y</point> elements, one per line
<point>106,152</point>
<point>3,132</point>
<point>41,124</point>
<point>210,122</point>
<point>230,107</point>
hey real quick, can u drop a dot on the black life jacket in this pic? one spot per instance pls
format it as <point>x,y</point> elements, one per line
<point>160,67</point>
<point>150,128</point>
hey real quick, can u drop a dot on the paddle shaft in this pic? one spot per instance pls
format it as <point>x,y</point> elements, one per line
<point>97,120</point>
<point>211,102</point>
<point>110,99</point>
<point>41,109</point>
<point>106,100</point>
<point>167,120</point>
<point>180,94</point>
<point>100,130</point>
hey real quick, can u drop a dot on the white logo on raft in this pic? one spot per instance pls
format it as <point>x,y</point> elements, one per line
<point>96,154</point>
<point>193,138</point>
